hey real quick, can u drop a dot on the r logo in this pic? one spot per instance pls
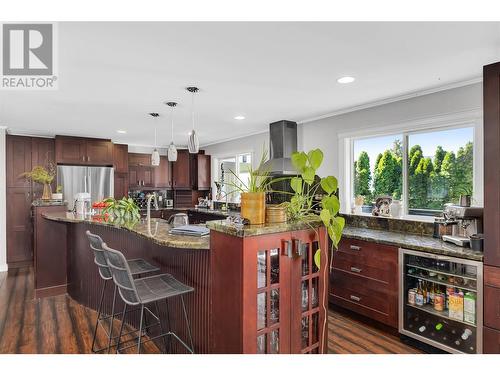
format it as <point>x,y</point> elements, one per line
<point>27,49</point>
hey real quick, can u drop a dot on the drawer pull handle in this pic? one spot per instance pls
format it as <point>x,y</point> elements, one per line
<point>355,269</point>
<point>355,298</point>
<point>354,247</point>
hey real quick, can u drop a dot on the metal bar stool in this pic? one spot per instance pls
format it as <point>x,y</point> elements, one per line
<point>137,267</point>
<point>139,292</point>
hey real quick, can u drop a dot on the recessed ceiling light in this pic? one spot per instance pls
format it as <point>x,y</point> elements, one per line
<point>239,117</point>
<point>346,79</point>
<point>122,131</point>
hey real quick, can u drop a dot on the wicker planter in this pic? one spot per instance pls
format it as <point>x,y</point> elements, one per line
<point>253,207</point>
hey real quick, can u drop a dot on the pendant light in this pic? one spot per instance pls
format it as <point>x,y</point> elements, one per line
<point>193,142</point>
<point>155,156</point>
<point>172,150</point>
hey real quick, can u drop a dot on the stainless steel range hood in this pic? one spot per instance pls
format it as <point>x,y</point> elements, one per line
<point>282,143</point>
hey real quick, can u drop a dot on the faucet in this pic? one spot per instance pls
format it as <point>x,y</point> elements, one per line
<point>150,197</point>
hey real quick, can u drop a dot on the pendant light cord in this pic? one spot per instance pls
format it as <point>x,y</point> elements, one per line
<point>172,123</point>
<point>192,108</point>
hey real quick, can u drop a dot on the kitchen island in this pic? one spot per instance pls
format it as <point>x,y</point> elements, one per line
<point>257,289</point>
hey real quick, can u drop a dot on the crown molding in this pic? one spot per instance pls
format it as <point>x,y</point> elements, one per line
<point>392,99</point>
<point>235,138</point>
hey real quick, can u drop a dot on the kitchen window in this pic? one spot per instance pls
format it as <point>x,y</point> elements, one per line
<point>239,164</point>
<point>424,169</point>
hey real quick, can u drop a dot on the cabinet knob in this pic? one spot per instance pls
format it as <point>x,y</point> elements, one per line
<point>355,298</point>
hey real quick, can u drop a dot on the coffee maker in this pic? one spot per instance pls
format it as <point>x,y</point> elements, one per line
<point>465,221</point>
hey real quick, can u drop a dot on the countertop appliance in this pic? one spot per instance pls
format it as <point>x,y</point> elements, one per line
<point>96,181</point>
<point>441,301</point>
<point>82,203</point>
<point>465,221</point>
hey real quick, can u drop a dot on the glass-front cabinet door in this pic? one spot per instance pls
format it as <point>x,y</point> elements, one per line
<point>441,301</point>
<point>270,269</point>
<point>308,293</point>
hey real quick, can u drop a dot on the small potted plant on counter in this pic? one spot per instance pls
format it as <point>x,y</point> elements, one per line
<point>252,192</point>
<point>43,176</point>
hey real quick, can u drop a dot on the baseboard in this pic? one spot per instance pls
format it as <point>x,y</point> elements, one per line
<point>51,291</point>
<point>4,267</point>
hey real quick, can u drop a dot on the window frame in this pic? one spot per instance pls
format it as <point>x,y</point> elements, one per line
<point>346,155</point>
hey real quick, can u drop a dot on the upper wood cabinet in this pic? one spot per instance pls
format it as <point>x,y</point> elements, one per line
<point>181,171</point>
<point>162,174</point>
<point>139,160</point>
<point>83,151</point>
<point>18,160</point>
<point>120,158</point>
<point>191,171</point>
<point>203,171</point>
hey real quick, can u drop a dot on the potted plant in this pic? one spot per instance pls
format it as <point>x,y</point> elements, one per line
<point>303,207</point>
<point>43,176</point>
<point>125,209</point>
<point>252,192</point>
<point>58,194</point>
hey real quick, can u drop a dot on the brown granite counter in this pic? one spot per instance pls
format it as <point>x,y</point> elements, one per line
<point>157,231</point>
<point>257,230</point>
<point>412,241</point>
<point>47,203</point>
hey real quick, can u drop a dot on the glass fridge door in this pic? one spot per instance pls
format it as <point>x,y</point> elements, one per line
<point>441,301</point>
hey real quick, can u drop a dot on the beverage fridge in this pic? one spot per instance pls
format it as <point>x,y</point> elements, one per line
<point>441,301</point>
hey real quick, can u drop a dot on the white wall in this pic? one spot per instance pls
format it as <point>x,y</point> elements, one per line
<point>3,202</point>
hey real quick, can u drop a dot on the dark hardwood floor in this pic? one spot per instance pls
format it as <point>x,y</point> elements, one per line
<point>60,325</point>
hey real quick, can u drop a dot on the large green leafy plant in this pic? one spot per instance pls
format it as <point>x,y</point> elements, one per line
<point>306,186</point>
<point>125,209</point>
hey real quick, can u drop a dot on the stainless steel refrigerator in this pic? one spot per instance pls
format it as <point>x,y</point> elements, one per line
<point>98,181</point>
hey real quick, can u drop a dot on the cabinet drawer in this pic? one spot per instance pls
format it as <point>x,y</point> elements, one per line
<point>376,268</point>
<point>368,251</point>
<point>358,290</point>
<point>492,276</point>
<point>491,341</point>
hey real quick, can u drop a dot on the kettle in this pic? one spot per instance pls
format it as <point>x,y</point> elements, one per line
<point>178,220</point>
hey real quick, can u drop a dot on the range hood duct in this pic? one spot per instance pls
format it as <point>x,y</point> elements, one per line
<point>282,143</point>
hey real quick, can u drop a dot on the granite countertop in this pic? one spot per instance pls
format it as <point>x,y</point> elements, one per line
<point>412,242</point>
<point>257,230</point>
<point>157,231</point>
<point>47,203</point>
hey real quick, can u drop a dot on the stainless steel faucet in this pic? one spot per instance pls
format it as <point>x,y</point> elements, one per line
<point>148,208</point>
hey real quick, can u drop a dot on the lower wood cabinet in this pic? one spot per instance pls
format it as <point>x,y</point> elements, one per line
<point>268,296</point>
<point>19,227</point>
<point>364,279</point>
<point>491,290</point>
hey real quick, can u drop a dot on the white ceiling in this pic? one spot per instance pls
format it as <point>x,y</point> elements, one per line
<point>112,74</point>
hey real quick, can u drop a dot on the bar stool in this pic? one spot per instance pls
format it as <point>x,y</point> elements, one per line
<point>137,267</point>
<point>139,292</point>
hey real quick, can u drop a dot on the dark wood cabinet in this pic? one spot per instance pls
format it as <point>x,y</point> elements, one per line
<point>121,182</point>
<point>120,158</point>
<point>139,160</point>
<point>140,177</point>
<point>162,174</point>
<point>19,160</point>
<point>203,172</point>
<point>266,298</point>
<point>491,217</point>
<point>181,171</point>
<point>191,171</point>
<point>364,279</point>
<point>19,227</point>
<point>50,259</point>
<point>22,154</point>
<point>83,151</point>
